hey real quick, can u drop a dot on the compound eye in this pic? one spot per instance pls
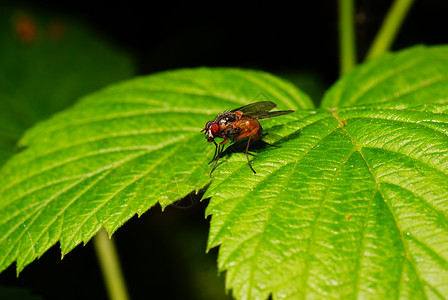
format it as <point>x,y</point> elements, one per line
<point>214,129</point>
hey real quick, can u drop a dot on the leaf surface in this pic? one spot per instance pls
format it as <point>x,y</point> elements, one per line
<point>354,205</point>
<point>117,153</point>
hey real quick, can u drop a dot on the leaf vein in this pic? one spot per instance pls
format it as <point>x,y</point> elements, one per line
<point>305,276</point>
<point>33,217</point>
<point>371,84</point>
<point>111,135</point>
<point>242,166</point>
<point>85,155</point>
<point>70,202</point>
<point>403,242</point>
<point>124,186</point>
<point>361,255</point>
<point>262,232</point>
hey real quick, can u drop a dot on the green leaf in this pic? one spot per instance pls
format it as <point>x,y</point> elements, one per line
<point>48,61</point>
<point>117,153</point>
<point>410,77</point>
<point>355,203</point>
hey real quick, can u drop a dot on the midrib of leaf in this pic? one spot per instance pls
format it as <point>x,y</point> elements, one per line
<point>359,261</point>
<point>311,118</point>
<point>397,116</point>
<point>402,280</point>
<point>379,114</point>
<point>435,167</point>
<point>341,125</point>
<point>211,242</point>
<point>378,188</point>
<point>305,275</point>
<point>260,235</point>
<point>263,230</point>
<point>409,148</point>
<point>386,114</point>
<point>172,102</point>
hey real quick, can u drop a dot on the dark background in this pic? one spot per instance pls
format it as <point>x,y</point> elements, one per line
<point>273,37</point>
<point>164,253</point>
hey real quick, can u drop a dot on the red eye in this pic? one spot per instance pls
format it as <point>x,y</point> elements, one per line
<point>214,129</point>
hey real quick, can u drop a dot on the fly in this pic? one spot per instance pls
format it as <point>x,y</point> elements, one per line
<point>238,124</point>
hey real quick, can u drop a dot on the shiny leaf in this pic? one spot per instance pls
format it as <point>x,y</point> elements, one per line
<point>116,154</point>
<point>355,203</point>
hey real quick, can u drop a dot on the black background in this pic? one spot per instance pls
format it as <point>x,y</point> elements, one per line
<point>278,38</point>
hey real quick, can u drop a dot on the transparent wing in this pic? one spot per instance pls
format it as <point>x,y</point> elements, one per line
<point>272,114</point>
<point>261,110</point>
<point>257,107</point>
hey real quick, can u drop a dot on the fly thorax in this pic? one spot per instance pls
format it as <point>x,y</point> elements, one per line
<point>225,118</point>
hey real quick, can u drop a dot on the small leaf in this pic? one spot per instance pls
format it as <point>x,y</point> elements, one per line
<point>354,205</point>
<point>117,153</point>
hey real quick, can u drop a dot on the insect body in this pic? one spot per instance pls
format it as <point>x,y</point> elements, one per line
<point>238,124</point>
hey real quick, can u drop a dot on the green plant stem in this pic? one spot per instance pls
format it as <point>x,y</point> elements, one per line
<point>347,47</point>
<point>110,267</point>
<point>390,27</point>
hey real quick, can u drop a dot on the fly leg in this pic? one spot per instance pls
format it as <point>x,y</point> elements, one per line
<point>220,149</point>
<point>216,151</point>
<point>248,134</point>
<point>247,156</point>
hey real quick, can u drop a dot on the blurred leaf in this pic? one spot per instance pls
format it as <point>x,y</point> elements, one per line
<point>116,154</point>
<point>46,63</point>
<point>14,293</point>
